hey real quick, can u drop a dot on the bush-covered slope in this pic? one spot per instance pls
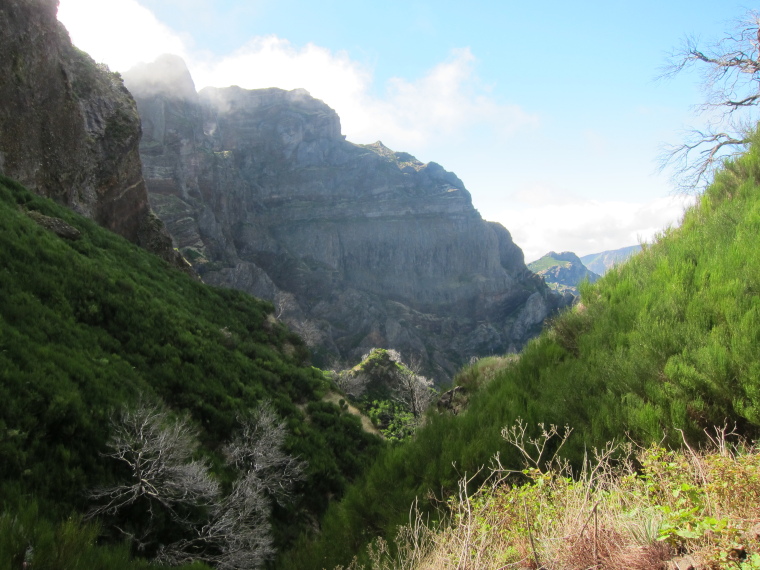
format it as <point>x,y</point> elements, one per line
<point>90,324</point>
<point>666,342</point>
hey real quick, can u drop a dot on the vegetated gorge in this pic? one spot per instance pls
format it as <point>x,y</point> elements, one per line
<point>148,418</point>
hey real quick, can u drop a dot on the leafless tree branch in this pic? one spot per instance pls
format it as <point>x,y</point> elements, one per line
<point>535,450</point>
<point>235,532</point>
<point>413,391</point>
<point>238,535</point>
<point>352,384</point>
<point>158,453</point>
<point>730,71</point>
<point>258,451</point>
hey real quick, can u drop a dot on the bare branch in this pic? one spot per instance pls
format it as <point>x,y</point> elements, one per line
<point>238,533</point>
<point>535,449</point>
<point>413,391</point>
<point>352,383</point>
<point>231,532</point>
<point>158,454</point>
<point>258,451</point>
<point>703,152</point>
<point>731,79</point>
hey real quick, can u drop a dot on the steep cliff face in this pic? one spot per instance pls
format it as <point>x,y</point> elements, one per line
<point>69,129</point>
<point>357,246</point>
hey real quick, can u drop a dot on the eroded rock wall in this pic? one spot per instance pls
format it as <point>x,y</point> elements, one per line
<point>69,129</point>
<point>356,245</point>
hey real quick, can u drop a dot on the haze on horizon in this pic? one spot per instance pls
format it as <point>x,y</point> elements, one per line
<point>550,115</point>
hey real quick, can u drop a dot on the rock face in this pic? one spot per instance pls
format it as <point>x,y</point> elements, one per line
<point>69,129</point>
<point>357,246</point>
<point>563,272</point>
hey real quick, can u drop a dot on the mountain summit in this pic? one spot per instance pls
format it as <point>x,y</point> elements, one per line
<point>357,246</point>
<point>563,272</point>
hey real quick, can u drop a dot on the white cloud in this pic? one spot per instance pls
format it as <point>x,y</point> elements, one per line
<point>589,226</point>
<point>274,62</point>
<point>445,102</point>
<point>412,114</point>
<point>448,100</point>
<point>448,103</point>
<point>120,33</point>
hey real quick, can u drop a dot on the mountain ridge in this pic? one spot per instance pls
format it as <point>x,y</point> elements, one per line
<point>358,246</point>
<point>602,261</point>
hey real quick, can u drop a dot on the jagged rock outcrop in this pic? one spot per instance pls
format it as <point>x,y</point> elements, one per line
<point>357,246</point>
<point>563,272</point>
<point>56,225</point>
<point>69,129</point>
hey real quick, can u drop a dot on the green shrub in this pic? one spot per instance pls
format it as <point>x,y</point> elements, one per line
<point>88,326</point>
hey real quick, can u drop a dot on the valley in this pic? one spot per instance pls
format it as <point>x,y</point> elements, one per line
<point>358,246</point>
<point>231,338</point>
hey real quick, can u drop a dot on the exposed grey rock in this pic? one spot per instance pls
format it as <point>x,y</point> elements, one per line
<point>56,225</point>
<point>361,246</point>
<point>69,129</point>
<point>453,401</point>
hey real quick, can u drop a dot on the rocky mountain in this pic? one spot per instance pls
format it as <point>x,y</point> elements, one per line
<point>563,272</point>
<point>357,246</point>
<point>601,262</point>
<point>69,129</point>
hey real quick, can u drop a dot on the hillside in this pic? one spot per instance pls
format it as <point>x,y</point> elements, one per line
<point>563,272</point>
<point>600,262</point>
<point>357,246</point>
<point>91,324</point>
<point>660,349</point>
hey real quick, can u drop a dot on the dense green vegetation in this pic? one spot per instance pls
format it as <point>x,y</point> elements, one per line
<point>88,325</point>
<point>28,536</point>
<point>665,342</point>
<point>387,391</point>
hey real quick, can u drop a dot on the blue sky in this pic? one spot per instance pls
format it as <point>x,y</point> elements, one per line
<point>548,111</point>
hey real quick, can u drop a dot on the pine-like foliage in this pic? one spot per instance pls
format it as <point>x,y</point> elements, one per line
<point>90,323</point>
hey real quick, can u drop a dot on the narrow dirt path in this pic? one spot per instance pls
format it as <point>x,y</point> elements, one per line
<point>367,425</point>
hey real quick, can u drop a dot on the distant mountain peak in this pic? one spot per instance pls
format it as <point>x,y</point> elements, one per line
<point>601,262</point>
<point>168,75</point>
<point>562,272</point>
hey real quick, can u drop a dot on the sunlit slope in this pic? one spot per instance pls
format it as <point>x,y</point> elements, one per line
<point>668,341</point>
